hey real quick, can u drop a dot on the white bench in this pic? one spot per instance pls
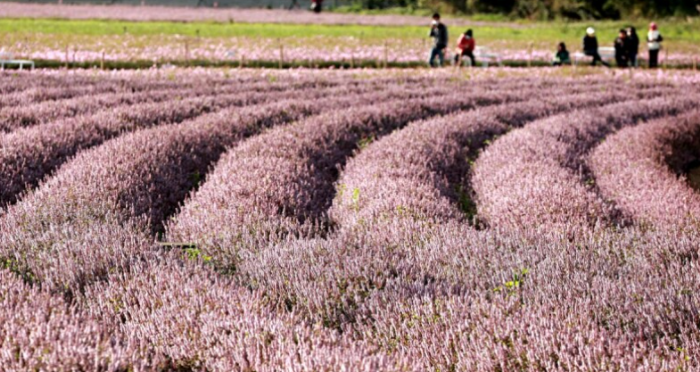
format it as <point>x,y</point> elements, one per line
<point>606,53</point>
<point>7,59</point>
<point>485,56</point>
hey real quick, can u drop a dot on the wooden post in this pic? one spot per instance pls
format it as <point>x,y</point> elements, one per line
<point>529,54</point>
<point>360,41</point>
<point>102,61</point>
<point>695,64</point>
<point>386,54</point>
<point>281,53</point>
<point>67,56</point>
<point>187,52</point>
<point>666,59</point>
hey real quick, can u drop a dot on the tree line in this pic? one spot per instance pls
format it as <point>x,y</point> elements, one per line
<point>551,9</point>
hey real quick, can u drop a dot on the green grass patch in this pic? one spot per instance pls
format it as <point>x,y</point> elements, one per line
<point>202,29</point>
<point>680,31</point>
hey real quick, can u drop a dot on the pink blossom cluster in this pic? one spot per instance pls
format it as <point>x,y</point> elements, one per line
<point>131,185</point>
<point>280,184</point>
<point>243,50</point>
<point>428,164</point>
<point>638,169</point>
<point>32,152</point>
<point>322,221</point>
<point>535,177</point>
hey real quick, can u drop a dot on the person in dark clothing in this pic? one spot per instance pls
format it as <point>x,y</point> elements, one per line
<point>633,44</point>
<point>562,57</point>
<point>438,31</point>
<point>465,48</point>
<point>622,49</point>
<point>317,6</point>
<point>590,47</point>
<point>654,40</point>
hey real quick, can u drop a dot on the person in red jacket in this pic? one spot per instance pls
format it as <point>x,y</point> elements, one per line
<point>465,47</point>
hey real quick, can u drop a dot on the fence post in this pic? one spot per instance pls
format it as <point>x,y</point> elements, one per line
<point>529,54</point>
<point>187,52</point>
<point>279,41</point>
<point>67,56</point>
<point>102,61</point>
<point>386,54</point>
<point>695,64</point>
<point>360,43</point>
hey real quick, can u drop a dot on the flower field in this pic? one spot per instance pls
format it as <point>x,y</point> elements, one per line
<point>306,220</point>
<point>143,36</point>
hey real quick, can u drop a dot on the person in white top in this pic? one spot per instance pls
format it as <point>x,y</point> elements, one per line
<point>654,40</point>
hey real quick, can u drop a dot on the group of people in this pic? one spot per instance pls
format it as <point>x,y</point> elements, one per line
<point>465,45</point>
<point>626,47</point>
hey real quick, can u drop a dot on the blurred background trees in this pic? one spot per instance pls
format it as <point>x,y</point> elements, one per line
<point>550,9</point>
<point>529,9</point>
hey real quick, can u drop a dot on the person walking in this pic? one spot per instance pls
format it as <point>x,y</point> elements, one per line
<point>465,48</point>
<point>562,57</point>
<point>590,47</point>
<point>438,31</point>
<point>654,40</point>
<point>622,49</point>
<point>633,44</point>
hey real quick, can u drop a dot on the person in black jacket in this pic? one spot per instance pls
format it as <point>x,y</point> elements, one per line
<point>317,6</point>
<point>633,43</point>
<point>590,47</point>
<point>562,57</point>
<point>622,49</point>
<point>438,31</point>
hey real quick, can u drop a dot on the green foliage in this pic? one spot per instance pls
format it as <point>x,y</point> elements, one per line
<point>544,9</point>
<point>365,141</point>
<point>356,198</point>
<point>195,254</point>
<point>15,267</point>
<point>466,204</point>
<point>513,286</point>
